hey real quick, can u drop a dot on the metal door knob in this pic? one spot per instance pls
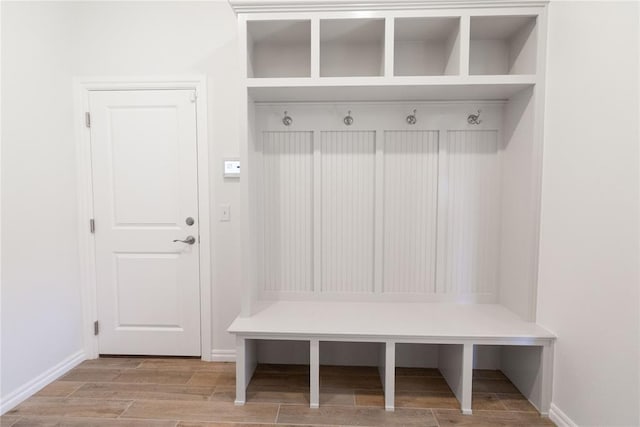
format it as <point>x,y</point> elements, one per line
<point>190,240</point>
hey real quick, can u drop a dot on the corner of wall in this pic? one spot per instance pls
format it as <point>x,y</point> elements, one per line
<point>560,418</point>
<point>21,394</point>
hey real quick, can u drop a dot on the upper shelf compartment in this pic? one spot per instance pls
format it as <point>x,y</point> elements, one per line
<point>426,46</point>
<point>279,48</point>
<point>351,47</point>
<point>503,45</point>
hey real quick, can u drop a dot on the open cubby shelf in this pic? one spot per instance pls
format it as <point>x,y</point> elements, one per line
<point>422,46</point>
<point>502,45</point>
<point>351,47</point>
<point>426,46</point>
<point>279,48</point>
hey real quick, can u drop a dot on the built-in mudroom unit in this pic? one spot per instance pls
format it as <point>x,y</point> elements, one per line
<point>391,167</point>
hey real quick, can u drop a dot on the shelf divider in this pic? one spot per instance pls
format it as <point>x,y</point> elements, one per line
<point>465,38</point>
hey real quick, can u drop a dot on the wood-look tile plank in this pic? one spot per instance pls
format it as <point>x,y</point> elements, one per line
<point>91,375</point>
<point>516,402</point>
<point>131,391</point>
<point>208,378</point>
<point>90,422</point>
<point>421,384</point>
<point>410,399</point>
<point>59,389</point>
<point>418,372</point>
<point>174,364</point>
<point>291,381</point>
<point>355,416</point>
<point>45,406</point>
<point>276,395</point>
<point>198,424</point>
<point>282,369</point>
<point>346,382</point>
<point>488,374</point>
<point>8,420</point>
<point>480,385</point>
<point>112,363</point>
<point>349,371</point>
<point>202,411</point>
<point>487,402</point>
<point>153,376</point>
<point>447,417</point>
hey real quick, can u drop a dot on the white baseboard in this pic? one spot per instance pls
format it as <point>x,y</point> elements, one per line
<point>39,382</point>
<point>223,355</point>
<point>560,418</point>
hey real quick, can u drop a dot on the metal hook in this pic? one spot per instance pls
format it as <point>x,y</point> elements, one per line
<point>411,118</point>
<point>348,120</point>
<point>474,119</point>
<point>287,120</point>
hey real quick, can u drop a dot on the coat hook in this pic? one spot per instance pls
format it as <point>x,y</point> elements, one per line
<point>474,119</point>
<point>411,118</point>
<point>287,120</point>
<point>348,120</point>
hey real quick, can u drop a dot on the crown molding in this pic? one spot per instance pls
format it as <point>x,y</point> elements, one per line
<point>266,6</point>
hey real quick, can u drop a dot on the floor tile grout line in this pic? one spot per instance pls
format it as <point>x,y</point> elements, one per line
<point>125,409</point>
<point>277,414</point>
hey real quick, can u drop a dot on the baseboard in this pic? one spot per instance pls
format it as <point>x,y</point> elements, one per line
<point>560,418</point>
<point>223,355</point>
<point>39,382</point>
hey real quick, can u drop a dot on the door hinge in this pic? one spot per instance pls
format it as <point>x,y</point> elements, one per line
<point>92,225</point>
<point>96,328</point>
<point>87,119</point>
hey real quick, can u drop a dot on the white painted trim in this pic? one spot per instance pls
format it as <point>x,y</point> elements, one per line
<point>32,387</point>
<point>81,87</point>
<point>284,6</point>
<point>560,418</point>
<point>223,355</point>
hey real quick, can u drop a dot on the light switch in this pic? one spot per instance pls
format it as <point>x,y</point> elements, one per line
<point>225,212</point>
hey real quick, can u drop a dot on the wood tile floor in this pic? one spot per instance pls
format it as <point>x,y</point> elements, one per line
<point>141,392</point>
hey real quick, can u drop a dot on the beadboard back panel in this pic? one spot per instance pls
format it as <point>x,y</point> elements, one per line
<point>288,211</point>
<point>381,209</point>
<point>347,210</point>
<point>471,223</point>
<point>410,211</point>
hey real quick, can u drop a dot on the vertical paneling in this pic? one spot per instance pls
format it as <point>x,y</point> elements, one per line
<point>472,212</point>
<point>410,210</point>
<point>288,211</point>
<point>347,204</point>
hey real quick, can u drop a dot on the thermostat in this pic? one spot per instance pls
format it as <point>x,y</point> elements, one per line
<point>231,168</point>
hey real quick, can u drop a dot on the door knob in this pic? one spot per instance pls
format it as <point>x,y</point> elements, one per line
<point>190,240</point>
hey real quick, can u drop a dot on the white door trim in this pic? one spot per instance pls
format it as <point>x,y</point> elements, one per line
<point>82,86</point>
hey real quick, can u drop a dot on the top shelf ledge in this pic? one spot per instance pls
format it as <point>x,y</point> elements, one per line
<point>288,6</point>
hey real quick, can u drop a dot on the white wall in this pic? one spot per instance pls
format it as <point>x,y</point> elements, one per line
<point>588,282</point>
<point>44,45</point>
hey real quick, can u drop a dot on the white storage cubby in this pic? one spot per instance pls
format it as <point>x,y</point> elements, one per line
<point>279,48</point>
<point>503,45</point>
<point>427,46</point>
<point>351,47</point>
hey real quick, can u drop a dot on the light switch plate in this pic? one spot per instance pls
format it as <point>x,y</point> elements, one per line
<point>225,212</point>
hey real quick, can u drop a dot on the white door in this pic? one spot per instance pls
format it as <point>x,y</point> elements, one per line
<point>145,190</point>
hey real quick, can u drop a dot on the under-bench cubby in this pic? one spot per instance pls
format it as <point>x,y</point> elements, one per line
<point>390,191</point>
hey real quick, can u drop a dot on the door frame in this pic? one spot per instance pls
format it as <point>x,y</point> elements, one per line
<point>82,87</point>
